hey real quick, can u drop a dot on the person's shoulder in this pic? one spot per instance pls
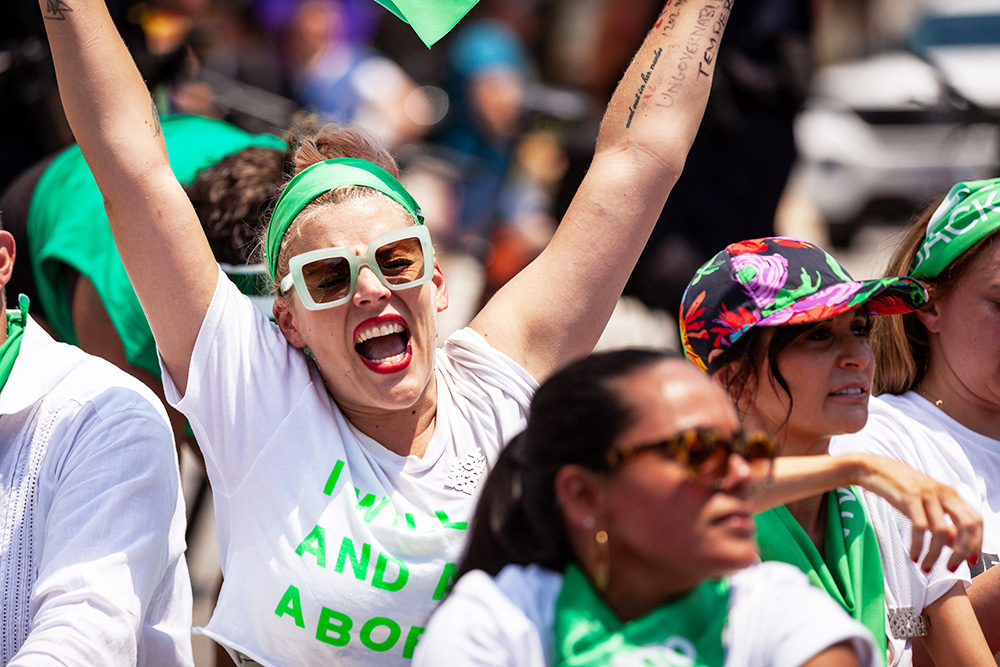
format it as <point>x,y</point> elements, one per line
<point>768,575</point>
<point>73,376</point>
<point>530,589</point>
<point>892,429</point>
<point>469,349</point>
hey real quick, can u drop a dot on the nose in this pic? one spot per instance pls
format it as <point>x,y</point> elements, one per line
<point>736,477</point>
<point>856,353</point>
<point>369,288</point>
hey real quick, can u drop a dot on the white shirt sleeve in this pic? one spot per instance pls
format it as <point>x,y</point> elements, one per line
<point>112,538</point>
<point>892,434</point>
<point>777,619</point>
<point>242,374</point>
<point>478,625</point>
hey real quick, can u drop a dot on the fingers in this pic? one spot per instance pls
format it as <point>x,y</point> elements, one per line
<point>967,542</point>
<point>939,530</point>
<point>918,517</point>
<point>950,521</point>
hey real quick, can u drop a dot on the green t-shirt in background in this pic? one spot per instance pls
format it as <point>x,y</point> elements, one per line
<point>68,229</point>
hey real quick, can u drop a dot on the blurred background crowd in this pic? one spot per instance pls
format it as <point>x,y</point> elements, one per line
<point>829,120</point>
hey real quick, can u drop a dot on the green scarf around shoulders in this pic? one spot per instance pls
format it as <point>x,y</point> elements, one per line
<point>850,571</point>
<point>11,346</point>
<point>686,631</point>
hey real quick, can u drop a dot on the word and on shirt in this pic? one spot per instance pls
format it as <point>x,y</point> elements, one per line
<point>350,557</point>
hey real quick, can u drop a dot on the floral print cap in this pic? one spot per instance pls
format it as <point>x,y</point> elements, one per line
<point>776,281</point>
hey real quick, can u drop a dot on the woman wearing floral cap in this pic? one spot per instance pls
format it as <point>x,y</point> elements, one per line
<point>785,329</point>
<point>938,378</point>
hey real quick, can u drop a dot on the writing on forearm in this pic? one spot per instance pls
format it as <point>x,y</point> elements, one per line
<point>711,18</point>
<point>55,10</point>
<point>694,56</point>
<point>642,87</point>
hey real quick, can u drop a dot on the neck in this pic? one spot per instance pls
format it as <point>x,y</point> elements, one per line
<point>808,512</point>
<point>407,431</point>
<point>943,388</point>
<point>634,597</point>
<point>791,441</point>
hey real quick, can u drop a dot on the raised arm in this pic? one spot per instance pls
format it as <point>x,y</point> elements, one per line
<point>557,307</point>
<point>159,237</point>
<point>930,505</point>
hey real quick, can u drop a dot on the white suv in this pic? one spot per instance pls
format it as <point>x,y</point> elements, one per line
<point>883,135</point>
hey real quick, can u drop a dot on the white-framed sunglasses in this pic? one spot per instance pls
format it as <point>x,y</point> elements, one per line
<point>327,277</point>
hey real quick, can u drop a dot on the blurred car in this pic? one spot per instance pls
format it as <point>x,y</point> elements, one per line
<point>886,134</point>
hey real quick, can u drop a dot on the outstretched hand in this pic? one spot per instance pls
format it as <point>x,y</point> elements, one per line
<point>932,506</point>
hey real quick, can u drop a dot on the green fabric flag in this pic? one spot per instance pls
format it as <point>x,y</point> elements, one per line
<point>11,346</point>
<point>684,632</point>
<point>430,19</point>
<point>851,569</point>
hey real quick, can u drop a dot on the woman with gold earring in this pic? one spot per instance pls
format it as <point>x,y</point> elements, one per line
<point>617,529</point>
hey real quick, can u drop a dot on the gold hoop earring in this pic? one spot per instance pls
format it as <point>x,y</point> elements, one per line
<point>602,560</point>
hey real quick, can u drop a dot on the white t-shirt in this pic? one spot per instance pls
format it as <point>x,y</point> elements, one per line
<point>334,549</point>
<point>912,430</point>
<point>776,619</point>
<point>91,516</point>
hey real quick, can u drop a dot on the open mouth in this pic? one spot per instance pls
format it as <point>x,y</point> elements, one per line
<point>383,343</point>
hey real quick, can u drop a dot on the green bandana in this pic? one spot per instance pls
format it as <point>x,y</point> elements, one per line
<point>851,572</point>
<point>319,179</point>
<point>687,631</point>
<point>430,19</point>
<point>11,346</point>
<point>969,213</point>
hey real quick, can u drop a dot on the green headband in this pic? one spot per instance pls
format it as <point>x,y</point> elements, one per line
<point>969,213</point>
<point>319,179</point>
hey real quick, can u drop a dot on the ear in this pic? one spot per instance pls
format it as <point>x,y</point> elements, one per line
<point>285,318</point>
<point>441,289</point>
<point>930,317</point>
<point>724,374</point>
<point>6,257</point>
<point>581,496</point>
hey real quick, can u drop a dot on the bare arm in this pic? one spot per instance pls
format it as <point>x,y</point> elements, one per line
<point>923,500</point>
<point>557,307</point>
<point>985,596</point>
<point>954,636</point>
<point>159,238</point>
<point>838,655</point>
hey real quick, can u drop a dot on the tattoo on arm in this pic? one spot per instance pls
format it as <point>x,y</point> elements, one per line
<point>55,10</point>
<point>642,87</point>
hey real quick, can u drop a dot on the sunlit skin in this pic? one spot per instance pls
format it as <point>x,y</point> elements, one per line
<point>396,408</point>
<point>829,371</point>
<point>964,336</point>
<point>667,533</point>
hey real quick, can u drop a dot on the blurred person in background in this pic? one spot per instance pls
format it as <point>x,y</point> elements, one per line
<point>505,214</point>
<point>70,268</point>
<point>937,378</point>
<point>348,82</point>
<point>32,124</point>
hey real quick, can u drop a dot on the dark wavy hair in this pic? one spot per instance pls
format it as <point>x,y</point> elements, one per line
<point>576,416</point>
<point>232,198</point>
<point>750,351</point>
